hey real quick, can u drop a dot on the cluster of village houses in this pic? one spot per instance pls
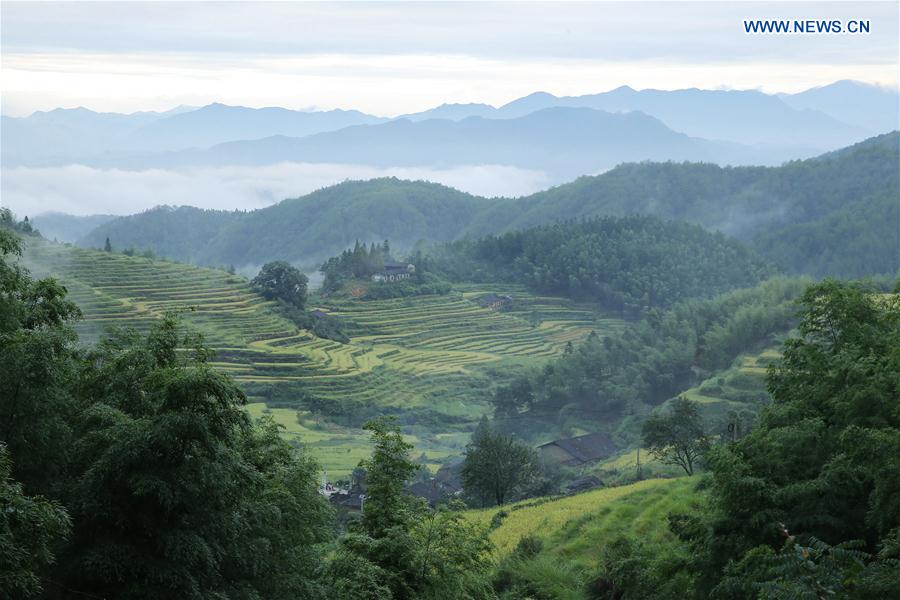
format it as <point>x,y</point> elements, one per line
<point>571,452</point>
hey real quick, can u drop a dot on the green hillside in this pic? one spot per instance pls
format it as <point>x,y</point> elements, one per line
<point>794,214</point>
<point>426,359</point>
<point>556,547</point>
<point>638,508</point>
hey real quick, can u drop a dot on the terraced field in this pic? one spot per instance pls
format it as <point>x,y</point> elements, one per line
<point>429,352</point>
<point>741,389</point>
<point>339,449</point>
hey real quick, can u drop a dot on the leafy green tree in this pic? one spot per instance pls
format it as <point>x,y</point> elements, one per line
<point>387,471</point>
<point>453,554</point>
<point>279,280</point>
<point>30,529</point>
<point>496,465</point>
<point>824,457</point>
<point>37,366</point>
<point>177,493</point>
<point>812,569</point>
<point>400,544</point>
<point>354,577</point>
<point>677,437</point>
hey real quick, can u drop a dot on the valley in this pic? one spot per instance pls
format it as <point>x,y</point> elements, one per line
<point>435,355</point>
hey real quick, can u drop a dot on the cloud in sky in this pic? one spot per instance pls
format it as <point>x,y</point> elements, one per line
<point>391,58</point>
<point>81,190</point>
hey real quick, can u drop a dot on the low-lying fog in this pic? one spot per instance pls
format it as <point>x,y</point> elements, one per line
<point>81,190</point>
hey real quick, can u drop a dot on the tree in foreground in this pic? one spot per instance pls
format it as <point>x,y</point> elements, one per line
<point>824,461</point>
<point>677,437</point>
<point>496,465</point>
<point>30,529</point>
<point>175,492</point>
<point>151,468</point>
<point>401,549</point>
<point>279,280</point>
<point>38,361</point>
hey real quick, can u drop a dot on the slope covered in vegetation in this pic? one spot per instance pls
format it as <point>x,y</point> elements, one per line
<point>627,264</point>
<point>761,205</point>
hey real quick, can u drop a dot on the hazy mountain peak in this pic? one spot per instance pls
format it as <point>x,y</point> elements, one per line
<point>864,105</point>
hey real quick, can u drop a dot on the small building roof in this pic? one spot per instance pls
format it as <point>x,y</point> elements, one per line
<point>431,491</point>
<point>489,299</point>
<point>585,448</point>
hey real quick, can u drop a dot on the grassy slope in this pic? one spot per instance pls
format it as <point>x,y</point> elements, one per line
<point>431,352</point>
<point>575,526</point>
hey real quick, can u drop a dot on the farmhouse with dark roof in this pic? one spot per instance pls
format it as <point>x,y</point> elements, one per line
<point>494,301</point>
<point>578,450</point>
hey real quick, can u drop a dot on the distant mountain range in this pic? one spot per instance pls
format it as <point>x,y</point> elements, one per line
<point>565,136</point>
<point>562,142</point>
<point>868,107</point>
<point>79,135</point>
<point>816,119</point>
<point>832,215</point>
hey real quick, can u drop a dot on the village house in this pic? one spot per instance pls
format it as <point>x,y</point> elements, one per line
<point>395,271</point>
<point>494,301</point>
<point>345,500</point>
<point>577,451</point>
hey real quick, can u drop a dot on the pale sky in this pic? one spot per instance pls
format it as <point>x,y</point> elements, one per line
<point>393,58</point>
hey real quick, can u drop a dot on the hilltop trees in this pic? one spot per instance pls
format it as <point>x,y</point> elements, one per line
<point>628,264</point>
<point>359,263</point>
<point>279,280</point>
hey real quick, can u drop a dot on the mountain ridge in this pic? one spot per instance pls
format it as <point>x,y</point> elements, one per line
<point>744,202</point>
<point>803,124</point>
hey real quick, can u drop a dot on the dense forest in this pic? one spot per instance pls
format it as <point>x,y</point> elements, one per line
<point>789,214</point>
<point>626,264</point>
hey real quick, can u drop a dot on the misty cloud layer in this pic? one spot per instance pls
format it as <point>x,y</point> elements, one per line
<point>81,190</point>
